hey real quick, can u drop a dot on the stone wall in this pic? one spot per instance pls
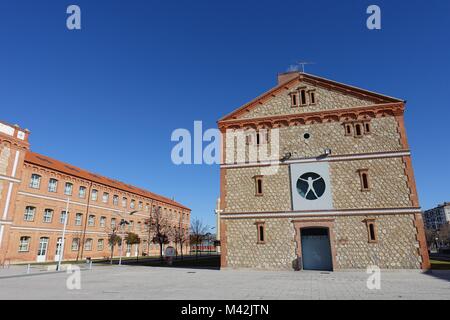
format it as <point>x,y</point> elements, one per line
<point>278,251</point>
<point>383,137</point>
<point>397,246</point>
<point>326,99</point>
<point>387,182</point>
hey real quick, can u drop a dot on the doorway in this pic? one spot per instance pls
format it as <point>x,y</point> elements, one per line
<point>316,249</point>
<point>42,249</point>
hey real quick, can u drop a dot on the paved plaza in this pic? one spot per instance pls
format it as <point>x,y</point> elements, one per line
<point>141,282</point>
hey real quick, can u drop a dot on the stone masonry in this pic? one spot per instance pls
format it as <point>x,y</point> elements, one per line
<point>387,202</point>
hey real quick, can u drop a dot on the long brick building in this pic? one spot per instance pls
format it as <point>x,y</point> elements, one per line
<point>35,190</point>
<point>343,195</point>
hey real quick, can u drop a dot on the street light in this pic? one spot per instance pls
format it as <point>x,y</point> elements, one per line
<point>122,223</point>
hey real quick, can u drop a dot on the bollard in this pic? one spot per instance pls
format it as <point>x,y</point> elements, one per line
<point>90,265</point>
<point>28,268</point>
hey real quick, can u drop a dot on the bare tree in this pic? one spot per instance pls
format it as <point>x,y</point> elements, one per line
<point>158,229</point>
<point>198,231</point>
<point>180,236</point>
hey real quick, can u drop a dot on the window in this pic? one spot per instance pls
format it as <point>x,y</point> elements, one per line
<point>124,202</point>
<point>35,181</point>
<point>364,178</point>
<point>94,195</point>
<point>82,192</point>
<point>91,220</point>
<point>294,99</point>
<point>302,97</point>
<point>132,204</point>
<point>371,230</point>
<point>140,205</point>
<point>131,225</point>
<point>312,97</point>
<point>100,244</point>
<point>260,228</point>
<point>105,197</point>
<point>102,222</point>
<point>366,128</point>
<point>68,188</point>
<point>48,214</point>
<point>75,244</point>
<point>24,244</point>
<point>29,213</point>
<point>62,217</point>
<point>78,218</point>
<point>113,223</point>
<point>52,185</point>
<point>115,200</point>
<point>88,244</point>
<point>147,207</point>
<point>258,185</point>
<point>358,130</point>
<point>348,129</point>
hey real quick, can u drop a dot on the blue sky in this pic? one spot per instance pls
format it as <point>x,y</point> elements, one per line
<point>107,98</point>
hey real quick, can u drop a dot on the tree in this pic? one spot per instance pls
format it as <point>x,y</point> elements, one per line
<point>159,228</point>
<point>198,231</point>
<point>132,238</point>
<point>113,239</point>
<point>181,236</point>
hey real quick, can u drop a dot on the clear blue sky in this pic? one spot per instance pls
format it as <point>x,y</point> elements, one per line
<point>107,98</point>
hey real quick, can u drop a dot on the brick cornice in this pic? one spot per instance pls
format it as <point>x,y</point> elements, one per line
<point>336,115</point>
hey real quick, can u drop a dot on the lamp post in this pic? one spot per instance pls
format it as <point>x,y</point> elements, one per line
<point>122,223</point>
<point>61,249</point>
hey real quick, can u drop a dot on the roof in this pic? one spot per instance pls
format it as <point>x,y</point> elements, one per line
<point>313,79</point>
<point>50,163</point>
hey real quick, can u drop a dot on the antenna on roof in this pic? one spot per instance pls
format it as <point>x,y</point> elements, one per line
<point>299,65</point>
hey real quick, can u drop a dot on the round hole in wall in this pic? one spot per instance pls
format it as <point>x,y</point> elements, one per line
<point>306,135</point>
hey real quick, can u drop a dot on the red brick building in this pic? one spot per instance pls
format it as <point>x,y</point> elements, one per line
<point>35,191</point>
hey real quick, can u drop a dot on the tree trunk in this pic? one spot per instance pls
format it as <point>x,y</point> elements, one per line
<point>112,253</point>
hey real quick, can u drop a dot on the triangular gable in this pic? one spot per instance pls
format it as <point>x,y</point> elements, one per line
<point>300,77</point>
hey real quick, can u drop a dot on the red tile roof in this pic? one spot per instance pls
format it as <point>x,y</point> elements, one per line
<point>50,163</point>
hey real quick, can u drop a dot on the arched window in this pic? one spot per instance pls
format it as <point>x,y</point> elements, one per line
<point>48,215</point>
<point>35,181</point>
<point>358,130</point>
<point>261,232</point>
<point>364,179</point>
<point>29,213</point>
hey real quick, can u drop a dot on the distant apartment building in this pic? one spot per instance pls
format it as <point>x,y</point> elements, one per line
<point>436,217</point>
<point>35,191</point>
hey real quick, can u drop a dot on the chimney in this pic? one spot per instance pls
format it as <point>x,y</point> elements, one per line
<point>287,76</point>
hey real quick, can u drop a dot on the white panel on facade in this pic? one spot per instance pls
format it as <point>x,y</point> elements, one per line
<point>6,129</point>
<point>311,186</point>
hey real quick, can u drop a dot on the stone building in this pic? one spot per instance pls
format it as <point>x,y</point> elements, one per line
<point>341,194</point>
<point>35,192</point>
<point>436,217</point>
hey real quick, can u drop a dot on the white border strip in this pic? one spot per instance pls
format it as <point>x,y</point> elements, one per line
<point>295,214</point>
<point>318,159</point>
<point>23,193</point>
<point>2,177</point>
<point>57,230</point>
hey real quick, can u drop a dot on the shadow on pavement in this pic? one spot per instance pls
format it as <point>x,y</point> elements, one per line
<point>191,262</point>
